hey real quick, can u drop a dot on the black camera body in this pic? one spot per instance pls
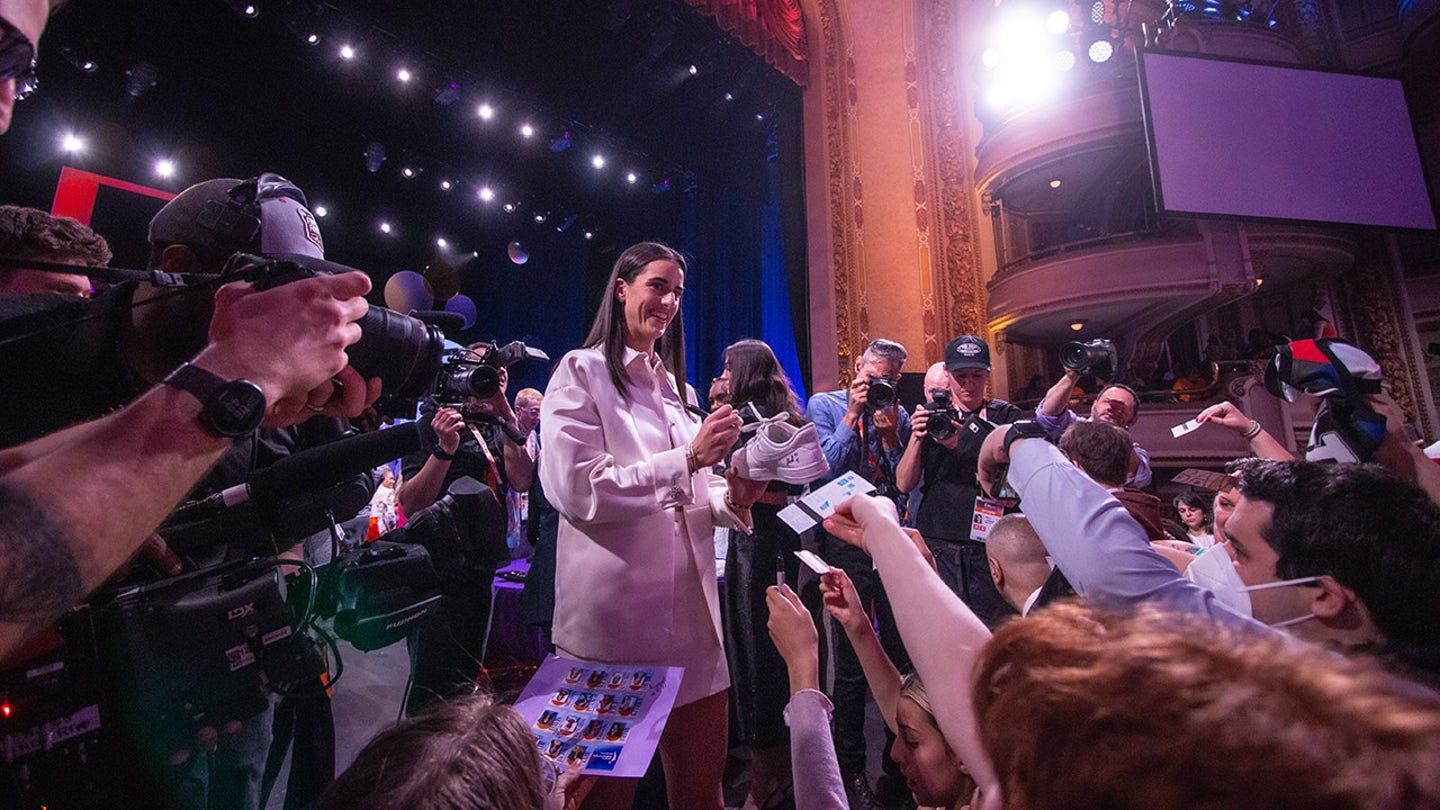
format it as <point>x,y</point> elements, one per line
<point>881,394</point>
<point>1096,357</point>
<point>943,416</point>
<point>463,375</point>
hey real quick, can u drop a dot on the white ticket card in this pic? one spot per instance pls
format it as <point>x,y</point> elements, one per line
<point>820,504</point>
<point>813,560</point>
<point>1188,427</point>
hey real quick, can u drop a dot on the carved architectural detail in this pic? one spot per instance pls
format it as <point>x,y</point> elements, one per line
<point>839,87</point>
<point>1374,302</point>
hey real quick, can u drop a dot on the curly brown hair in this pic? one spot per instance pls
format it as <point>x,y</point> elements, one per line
<point>29,233</point>
<point>1084,709</point>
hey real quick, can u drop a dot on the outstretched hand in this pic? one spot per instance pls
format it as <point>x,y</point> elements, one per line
<point>794,634</point>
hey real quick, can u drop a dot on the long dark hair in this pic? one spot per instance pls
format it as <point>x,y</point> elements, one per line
<point>608,331</point>
<point>756,376</point>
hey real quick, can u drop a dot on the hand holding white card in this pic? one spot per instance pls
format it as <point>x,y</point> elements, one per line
<point>813,561</point>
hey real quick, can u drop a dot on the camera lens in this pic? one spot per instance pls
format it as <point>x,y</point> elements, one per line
<point>402,351</point>
<point>881,394</point>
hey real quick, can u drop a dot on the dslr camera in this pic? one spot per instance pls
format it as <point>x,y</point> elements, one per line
<point>881,394</point>
<point>466,373</point>
<point>1096,357</point>
<point>943,416</point>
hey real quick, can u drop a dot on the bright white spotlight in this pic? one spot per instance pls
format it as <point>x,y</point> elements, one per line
<point>441,243</point>
<point>1065,60</point>
<point>1058,22</point>
<point>72,143</point>
<point>486,194</point>
<point>347,52</point>
<point>403,75</point>
<point>527,131</point>
<point>485,111</point>
<point>729,96</point>
<point>589,234</point>
<point>313,39</point>
<point>509,207</point>
<point>445,185</point>
<point>385,227</point>
<point>474,254</point>
<point>1100,51</point>
<point>1055,183</point>
<point>759,116</point>
<point>251,11</point>
<point>165,167</point>
<point>694,70</point>
<point>321,211</point>
<point>632,178</point>
<point>539,219</point>
<point>997,96</point>
<point>408,172</point>
<point>990,58</point>
<point>598,161</point>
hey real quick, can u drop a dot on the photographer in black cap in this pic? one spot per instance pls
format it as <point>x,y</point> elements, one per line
<point>72,360</point>
<point>945,438</point>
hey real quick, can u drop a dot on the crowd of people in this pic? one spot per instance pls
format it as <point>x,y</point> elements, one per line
<point>1036,629</point>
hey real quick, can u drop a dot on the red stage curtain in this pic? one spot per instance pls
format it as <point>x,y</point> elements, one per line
<point>774,28</point>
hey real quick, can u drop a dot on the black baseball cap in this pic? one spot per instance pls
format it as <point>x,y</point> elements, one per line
<point>967,351</point>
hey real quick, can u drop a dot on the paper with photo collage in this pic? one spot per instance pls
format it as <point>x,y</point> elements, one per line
<point>604,719</point>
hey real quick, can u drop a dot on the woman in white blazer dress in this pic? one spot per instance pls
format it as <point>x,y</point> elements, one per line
<point>628,469</point>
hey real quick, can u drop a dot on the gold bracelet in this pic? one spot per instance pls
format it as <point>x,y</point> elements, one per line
<point>690,461</point>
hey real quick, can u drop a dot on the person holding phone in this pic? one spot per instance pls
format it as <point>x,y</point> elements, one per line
<point>628,467</point>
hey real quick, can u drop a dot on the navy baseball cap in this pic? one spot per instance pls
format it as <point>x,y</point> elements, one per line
<point>967,351</point>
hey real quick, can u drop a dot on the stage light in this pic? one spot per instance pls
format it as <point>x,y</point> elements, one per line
<point>403,75</point>
<point>445,185</point>
<point>527,131</point>
<point>408,172</point>
<point>1058,22</point>
<point>321,211</point>
<point>1077,324</point>
<point>1097,12</point>
<point>1065,60</point>
<point>313,39</point>
<point>485,111</point>
<point>539,218</point>
<point>565,224</point>
<point>509,208</point>
<point>997,96</point>
<point>249,10</point>
<point>474,254</point>
<point>385,227</point>
<point>72,143</point>
<point>1055,183</point>
<point>486,194</point>
<point>990,58</point>
<point>589,234</point>
<point>347,52</point>
<point>441,243</point>
<point>165,167</point>
<point>78,60</point>
<point>1100,51</point>
<point>694,70</point>
<point>729,96</point>
<point>598,161</point>
<point>632,178</point>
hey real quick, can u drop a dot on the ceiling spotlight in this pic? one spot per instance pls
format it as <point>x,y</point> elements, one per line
<point>729,96</point>
<point>80,62</point>
<point>243,8</point>
<point>1065,60</point>
<point>632,178</point>
<point>72,143</point>
<point>250,11</point>
<point>441,243</point>
<point>313,39</point>
<point>598,161</point>
<point>486,194</point>
<point>474,254</point>
<point>1097,12</point>
<point>403,75</point>
<point>1100,51</point>
<point>509,208</point>
<point>694,70</point>
<point>990,58</point>
<point>589,234</point>
<point>539,218</point>
<point>165,167</point>
<point>321,211</point>
<point>485,111</point>
<point>1077,324</point>
<point>565,224</point>
<point>1055,183</point>
<point>527,131</point>
<point>347,52</point>
<point>385,227</point>
<point>408,172</point>
<point>445,185</point>
<point>1058,22</point>
<point>759,116</point>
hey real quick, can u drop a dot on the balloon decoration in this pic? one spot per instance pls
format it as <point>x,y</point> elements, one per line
<point>518,253</point>
<point>461,305</point>
<point>407,291</point>
<point>444,280</point>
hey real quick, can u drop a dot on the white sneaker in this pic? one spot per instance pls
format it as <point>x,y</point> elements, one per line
<point>780,451</point>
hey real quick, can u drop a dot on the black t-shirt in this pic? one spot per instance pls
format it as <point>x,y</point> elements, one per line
<point>949,485</point>
<point>470,459</point>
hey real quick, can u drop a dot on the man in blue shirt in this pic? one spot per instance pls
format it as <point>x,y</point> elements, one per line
<point>858,436</point>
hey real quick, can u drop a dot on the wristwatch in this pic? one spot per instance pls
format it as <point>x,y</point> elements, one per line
<point>1025,429</point>
<point>228,408</point>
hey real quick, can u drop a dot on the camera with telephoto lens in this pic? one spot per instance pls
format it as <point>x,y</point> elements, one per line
<point>466,373</point>
<point>943,416</point>
<point>1096,357</point>
<point>404,352</point>
<point>880,394</point>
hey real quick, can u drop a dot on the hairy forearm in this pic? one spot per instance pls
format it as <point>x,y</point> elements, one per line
<point>1057,399</point>
<point>73,515</point>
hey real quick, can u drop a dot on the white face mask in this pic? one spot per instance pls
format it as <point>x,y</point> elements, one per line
<point>1214,571</point>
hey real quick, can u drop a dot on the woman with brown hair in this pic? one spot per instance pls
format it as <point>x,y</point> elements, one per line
<point>627,466</point>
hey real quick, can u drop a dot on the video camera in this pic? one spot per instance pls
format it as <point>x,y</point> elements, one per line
<point>943,416</point>
<point>1096,357</point>
<point>466,373</point>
